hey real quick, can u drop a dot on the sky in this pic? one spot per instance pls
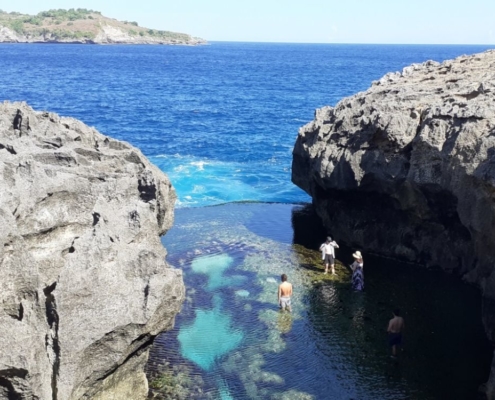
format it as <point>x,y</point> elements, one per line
<point>294,21</point>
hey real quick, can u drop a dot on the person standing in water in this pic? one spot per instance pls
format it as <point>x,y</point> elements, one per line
<point>394,330</point>
<point>357,272</point>
<point>284,293</point>
<point>328,254</point>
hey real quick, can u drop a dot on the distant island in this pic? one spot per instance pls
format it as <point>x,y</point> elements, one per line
<point>82,26</point>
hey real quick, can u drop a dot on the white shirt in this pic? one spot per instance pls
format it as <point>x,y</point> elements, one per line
<point>328,248</point>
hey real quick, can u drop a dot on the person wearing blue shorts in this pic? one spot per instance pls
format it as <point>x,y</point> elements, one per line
<point>395,328</point>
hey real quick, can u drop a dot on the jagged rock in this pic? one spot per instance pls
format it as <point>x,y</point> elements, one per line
<point>84,286</point>
<point>406,169</point>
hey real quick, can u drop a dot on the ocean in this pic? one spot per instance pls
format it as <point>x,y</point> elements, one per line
<point>221,121</point>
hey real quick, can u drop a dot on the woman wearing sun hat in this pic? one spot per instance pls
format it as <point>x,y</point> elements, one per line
<point>357,271</point>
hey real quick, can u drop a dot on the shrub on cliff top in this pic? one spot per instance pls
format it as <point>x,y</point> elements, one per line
<point>70,14</point>
<point>17,25</point>
<point>33,21</point>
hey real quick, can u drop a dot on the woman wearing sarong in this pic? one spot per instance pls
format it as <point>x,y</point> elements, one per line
<point>357,272</point>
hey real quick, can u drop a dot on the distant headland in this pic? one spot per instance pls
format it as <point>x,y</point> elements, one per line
<point>82,26</point>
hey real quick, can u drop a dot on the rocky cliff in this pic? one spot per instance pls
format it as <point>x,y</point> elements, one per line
<point>84,286</point>
<point>406,169</point>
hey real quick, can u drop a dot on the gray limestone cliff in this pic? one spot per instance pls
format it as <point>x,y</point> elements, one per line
<point>406,170</point>
<point>84,285</point>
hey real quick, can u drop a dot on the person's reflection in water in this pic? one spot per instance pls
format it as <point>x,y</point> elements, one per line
<point>284,322</point>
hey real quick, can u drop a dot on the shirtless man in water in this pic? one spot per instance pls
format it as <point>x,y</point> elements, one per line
<point>284,293</point>
<point>394,330</point>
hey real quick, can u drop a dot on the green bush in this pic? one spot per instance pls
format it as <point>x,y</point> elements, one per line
<point>172,35</point>
<point>33,21</point>
<point>17,25</point>
<point>70,14</point>
<point>60,34</point>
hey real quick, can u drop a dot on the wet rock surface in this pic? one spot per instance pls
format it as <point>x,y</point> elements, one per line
<point>406,169</point>
<point>84,286</point>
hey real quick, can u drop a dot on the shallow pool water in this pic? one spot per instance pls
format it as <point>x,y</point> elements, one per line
<point>233,342</point>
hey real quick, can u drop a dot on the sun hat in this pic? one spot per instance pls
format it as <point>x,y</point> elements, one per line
<point>357,254</point>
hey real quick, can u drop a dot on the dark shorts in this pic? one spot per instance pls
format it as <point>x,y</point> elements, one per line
<point>395,339</point>
<point>329,259</point>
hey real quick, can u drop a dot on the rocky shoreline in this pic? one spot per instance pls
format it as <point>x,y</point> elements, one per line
<point>405,170</point>
<point>107,35</point>
<point>85,288</point>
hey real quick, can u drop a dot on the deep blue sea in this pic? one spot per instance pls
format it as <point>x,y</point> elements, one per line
<point>221,120</point>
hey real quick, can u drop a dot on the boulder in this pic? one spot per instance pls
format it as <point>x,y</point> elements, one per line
<point>84,285</point>
<point>406,169</point>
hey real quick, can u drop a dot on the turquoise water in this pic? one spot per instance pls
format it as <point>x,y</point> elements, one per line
<point>211,335</point>
<point>236,344</point>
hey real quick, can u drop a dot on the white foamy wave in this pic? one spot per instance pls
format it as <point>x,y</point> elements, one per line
<point>204,182</point>
<point>199,164</point>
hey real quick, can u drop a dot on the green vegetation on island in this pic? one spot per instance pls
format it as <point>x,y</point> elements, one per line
<point>82,26</point>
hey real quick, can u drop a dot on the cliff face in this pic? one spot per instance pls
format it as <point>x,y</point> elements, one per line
<point>406,169</point>
<point>84,286</point>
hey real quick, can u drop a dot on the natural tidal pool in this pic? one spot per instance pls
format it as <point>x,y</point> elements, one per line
<point>230,341</point>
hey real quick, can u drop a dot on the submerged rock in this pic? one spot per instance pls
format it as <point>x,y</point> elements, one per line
<point>242,293</point>
<point>84,286</point>
<point>406,169</point>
